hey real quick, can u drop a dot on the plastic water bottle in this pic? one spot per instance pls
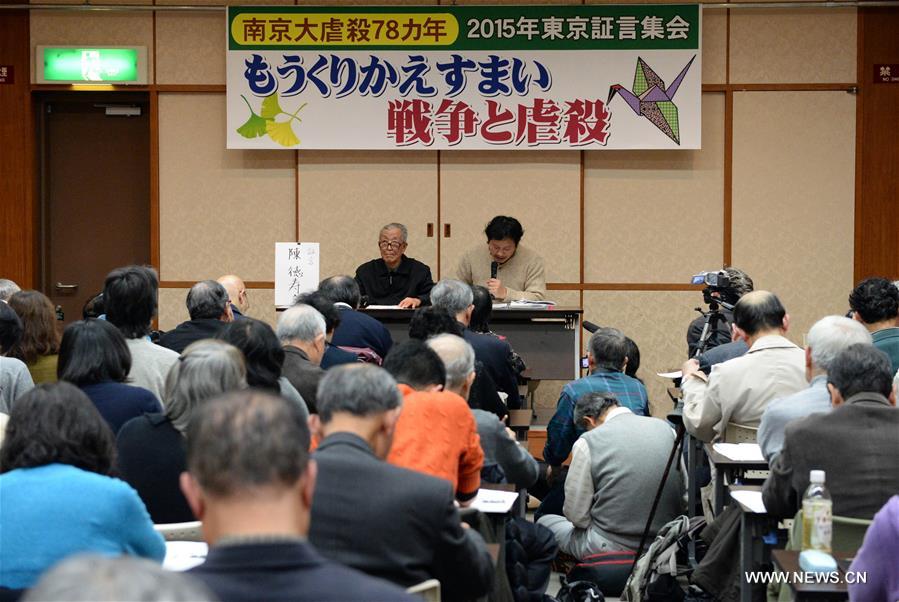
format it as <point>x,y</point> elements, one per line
<point>817,514</point>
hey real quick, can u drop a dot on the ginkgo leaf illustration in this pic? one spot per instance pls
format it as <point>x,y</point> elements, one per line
<point>270,107</point>
<point>281,133</point>
<point>255,125</point>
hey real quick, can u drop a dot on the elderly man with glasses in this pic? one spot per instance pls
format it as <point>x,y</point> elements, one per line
<point>394,279</point>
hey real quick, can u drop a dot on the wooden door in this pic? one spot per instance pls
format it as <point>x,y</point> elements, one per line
<point>95,195</point>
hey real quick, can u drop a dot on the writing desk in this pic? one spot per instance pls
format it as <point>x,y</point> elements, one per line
<point>788,562</point>
<point>547,339</point>
<point>753,526</point>
<point>728,467</point>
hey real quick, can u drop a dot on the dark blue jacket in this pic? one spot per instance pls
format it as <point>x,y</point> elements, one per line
<point>359,330</point>
<point>118,403</point>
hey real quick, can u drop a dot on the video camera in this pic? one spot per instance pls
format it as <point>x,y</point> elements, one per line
<point>715,282</point>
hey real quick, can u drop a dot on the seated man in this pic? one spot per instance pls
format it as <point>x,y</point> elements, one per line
<point>301,329</point>
<point>456,299</point>
<point>855,444</point>
<point>519,271</point>
<point>394,279</point>
<point>209,309</point>
<point>616,468</point>
<point>251,482</point>
<point>607,357</point>
<point>739,283</point>
<point>237,292</point>
<point>334,356</point>
<point>356,329</point>
<point>387,521</point>
<point>436,434</point>
<point>738,390</point>
<point>875,303</point>
<point>828,337</point>
<point>130,296</point>
<point>505,461</point>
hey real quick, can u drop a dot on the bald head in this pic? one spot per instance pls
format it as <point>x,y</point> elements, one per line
<point>760,312</point>
<point>458,359</point>
<point>237,291</point>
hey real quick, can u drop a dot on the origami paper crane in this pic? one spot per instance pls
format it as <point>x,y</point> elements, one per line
<point>651,99</point>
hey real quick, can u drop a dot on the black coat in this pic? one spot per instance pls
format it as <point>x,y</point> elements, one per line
<point>359,330</point>
<point>302,374</point>
<point>496,356</point>
<point>393,523</point>
<point>188,332</point>
<point>382,286</point>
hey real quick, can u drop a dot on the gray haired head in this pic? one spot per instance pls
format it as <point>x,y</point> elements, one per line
<point>7,289</point>
<point>301,322</point>
<point>207,368</point>
<point>341,289</point>
<point>404,232</point>
<point>457,356</point>
<point>831,335</point>
<point>207,299</point>
<point>609,347</point>
<point>362,390</point>
<point>594,405</point>
<point>451,296</point>
<point>90,577</point>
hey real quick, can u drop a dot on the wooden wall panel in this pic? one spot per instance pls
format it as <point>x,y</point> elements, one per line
<point>714,46</point>
<point>190,48</point>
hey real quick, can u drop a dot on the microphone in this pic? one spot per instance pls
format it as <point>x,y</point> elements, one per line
<point>493,269</point>
<point>590,326</point>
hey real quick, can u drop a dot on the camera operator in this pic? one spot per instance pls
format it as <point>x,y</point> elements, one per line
<point>738,284</point>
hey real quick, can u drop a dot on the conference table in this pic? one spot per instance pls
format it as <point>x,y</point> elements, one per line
<point>548,339</point>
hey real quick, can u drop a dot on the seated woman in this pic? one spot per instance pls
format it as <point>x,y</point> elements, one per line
<point>94,357</point>
<point>56,495</point>
<point>152,447</point>
<point>264,358</point>
<point>15,379</point>
<point>40,335</point>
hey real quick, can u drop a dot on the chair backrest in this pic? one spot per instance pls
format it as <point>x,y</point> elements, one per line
<point>426,590</point>
<point>740,433</point>
<point>189,531</point>
<point>847,535</point>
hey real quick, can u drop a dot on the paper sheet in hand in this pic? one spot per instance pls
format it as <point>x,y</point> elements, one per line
<point>184,555</point>
<point>296,270</point>
<point>673,374</point>
<point>750,499</point>
<point>744,452</point>
<point>491,501</point>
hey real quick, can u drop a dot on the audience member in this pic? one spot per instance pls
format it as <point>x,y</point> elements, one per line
<point>7,289</point>
<point>427,322</point>
<point>616,468</point>
<point>251,483</point>
<point>94,357</point>
<point>482,310</point>
<point>152,447</point>
<point>739,284</point>
<point>876,559</point>
<point>129,294</point>
<point>334,356</point>
<point>875,303</point>
<point>264,358</point>
<point>15,379</point>
<point>301,329</point>
<point>505,461</point>
<point>56,495</point>
<point>739,390</point>
<point>93,578</point>
<point>237,294</point>
<point>356,329</point>
<point>607,359</point>
<point>95,307</point>
<point>436,433</point>
<point>39,345</point>
<point>209,309</point>
<point>828,337</point>
<point>391,522</point>
<point>855,444</point>
<point>633,359</point>
<point>519,271</point>
<point>456,299</point>
<point>394,279</point>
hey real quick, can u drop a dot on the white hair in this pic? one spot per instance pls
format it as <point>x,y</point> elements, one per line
<point>831,335</point>
<point>404,232</point>
<point>457,357</point>
<point>451,296</point>
<point>7,289</point>
<point>302,322</point>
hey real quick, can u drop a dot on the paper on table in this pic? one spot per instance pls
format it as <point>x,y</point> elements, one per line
<point>752,499</point>
<point>744,452</point>
<point>529,303</point>
<point>184,555</point>
<point>382,307</point>
<point>492,501</point>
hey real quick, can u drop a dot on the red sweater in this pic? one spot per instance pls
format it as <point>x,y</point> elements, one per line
<point>436,434</point>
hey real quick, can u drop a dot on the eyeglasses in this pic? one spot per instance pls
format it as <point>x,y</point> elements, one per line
<point>390,244</point>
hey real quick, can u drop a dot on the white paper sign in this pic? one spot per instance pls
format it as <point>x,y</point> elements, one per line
<point>296,270</point>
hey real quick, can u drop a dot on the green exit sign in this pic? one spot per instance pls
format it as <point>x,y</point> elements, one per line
<point>97,65</point>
